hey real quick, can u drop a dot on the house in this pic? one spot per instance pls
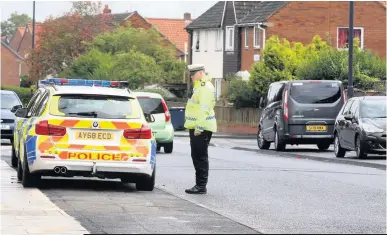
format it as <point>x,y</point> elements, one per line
<point>11,66</point>
<point>214,40</point>
<point>229,37</point>
<point>16,38</point>
<point>300,21</point>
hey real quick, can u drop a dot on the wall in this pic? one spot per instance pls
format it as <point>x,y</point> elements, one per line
<point>247,54</point>
<point>211,58</point>
<point>9,68</point>
<point>300,21</point>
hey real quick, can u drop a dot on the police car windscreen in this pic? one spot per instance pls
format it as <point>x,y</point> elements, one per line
<point>151,105</point>
<point>86,106</point>
<point>315,92</point>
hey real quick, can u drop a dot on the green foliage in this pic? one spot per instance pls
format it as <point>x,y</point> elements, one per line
<point>134,55</point>
<point>241,94</point>
<point>24,94</point>
<point>315,61</point>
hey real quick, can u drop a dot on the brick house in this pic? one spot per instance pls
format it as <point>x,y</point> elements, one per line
<point>300,21</point>
<point>11,66</point>
<point>218,37</point>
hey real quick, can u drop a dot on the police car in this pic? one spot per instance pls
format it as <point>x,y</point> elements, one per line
<point>74,127</point>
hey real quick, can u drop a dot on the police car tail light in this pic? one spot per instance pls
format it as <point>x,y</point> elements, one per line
<point>144,132</point>
<point>43,128</point>
<point>286,110</point>
<point>166,111</point>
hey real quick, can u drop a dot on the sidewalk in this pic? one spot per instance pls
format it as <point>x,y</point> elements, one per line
<point>220,135</point>
<point>29,211</point>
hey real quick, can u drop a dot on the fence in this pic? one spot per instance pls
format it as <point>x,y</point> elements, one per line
<point>231,115</point>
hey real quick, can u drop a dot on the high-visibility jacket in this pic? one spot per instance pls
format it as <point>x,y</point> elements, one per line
<point>199,112</point>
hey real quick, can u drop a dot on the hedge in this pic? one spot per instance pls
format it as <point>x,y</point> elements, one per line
<point>24,94</point>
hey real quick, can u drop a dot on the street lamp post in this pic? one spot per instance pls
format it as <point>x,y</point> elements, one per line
<point>33,25</point>
<point>350,50</point>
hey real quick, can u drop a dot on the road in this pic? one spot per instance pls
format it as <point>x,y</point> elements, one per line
<point>248,192</point>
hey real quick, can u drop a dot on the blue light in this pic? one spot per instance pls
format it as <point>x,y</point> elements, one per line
<point>84,82</point>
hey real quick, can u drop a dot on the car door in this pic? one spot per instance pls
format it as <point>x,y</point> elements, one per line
<point>264,112</point>
<point>341,122</point>
<point>19,122</point>
<point>270,114</point>
<point>353,125</point>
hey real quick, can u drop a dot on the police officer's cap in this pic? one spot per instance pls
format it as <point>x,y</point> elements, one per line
<point>193,68</point>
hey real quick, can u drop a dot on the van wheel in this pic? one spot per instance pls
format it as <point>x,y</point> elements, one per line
<point>323,146</point>
<point>359,149</point>
<point>168,148</point>
<point>29,179</point>
<point>279,144</point>
<point>262,143</point>
<point>147,183</point>
<point>14,159</point>
<point>339,151</point>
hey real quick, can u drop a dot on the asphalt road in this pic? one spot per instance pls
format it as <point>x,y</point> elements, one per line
<point>248,192</point>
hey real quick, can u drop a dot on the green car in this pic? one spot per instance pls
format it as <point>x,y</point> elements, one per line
<point>153,103</point>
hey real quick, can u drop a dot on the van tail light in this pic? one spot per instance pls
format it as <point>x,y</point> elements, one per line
<point>166,111</point>
<point>144,132</point>
<point>286,107</point>
<point>344,96</point>
<point>43,128</point>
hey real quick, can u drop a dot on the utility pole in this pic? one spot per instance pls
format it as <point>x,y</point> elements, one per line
<point>33,25</point>
<point>350,50</point>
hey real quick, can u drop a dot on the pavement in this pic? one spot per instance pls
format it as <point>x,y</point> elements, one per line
<point>29,211</point>
<point>248,192</point>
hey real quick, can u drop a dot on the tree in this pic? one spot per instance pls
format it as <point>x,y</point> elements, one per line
<point>9,26</point>
<point>64,39</point>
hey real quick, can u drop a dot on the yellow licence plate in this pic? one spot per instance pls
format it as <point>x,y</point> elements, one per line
<point>88,135</point>
<point>316,128</point>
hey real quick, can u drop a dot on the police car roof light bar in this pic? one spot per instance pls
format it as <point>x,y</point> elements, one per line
<point>84,82</point>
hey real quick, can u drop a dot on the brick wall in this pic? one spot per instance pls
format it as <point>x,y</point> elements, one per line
<point>247,54</point>
<point>25,44</point>
<point>300,21</point>
<point>9,68</point>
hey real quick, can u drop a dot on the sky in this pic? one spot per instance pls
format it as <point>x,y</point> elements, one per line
<point>156,9</point>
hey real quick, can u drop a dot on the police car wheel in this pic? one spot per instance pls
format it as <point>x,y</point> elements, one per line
<point>28,179</point>
<point>168,148</point>
<point>14,159</point>
<point>146,183</point>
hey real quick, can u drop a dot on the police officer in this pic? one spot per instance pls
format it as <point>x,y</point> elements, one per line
<point>201,123</point>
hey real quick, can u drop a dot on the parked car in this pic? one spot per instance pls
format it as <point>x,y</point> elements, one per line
<point>361,126</point>
<point>10,102</point>
<point>300,112</point>
<point>162,128</point>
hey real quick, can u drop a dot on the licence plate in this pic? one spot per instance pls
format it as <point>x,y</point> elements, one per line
<point>88,135</point>
<point>5,127</point>
<point>316,128</point>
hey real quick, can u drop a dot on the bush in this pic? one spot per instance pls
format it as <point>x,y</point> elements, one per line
<point>241,94</point>
<point>24,94</point>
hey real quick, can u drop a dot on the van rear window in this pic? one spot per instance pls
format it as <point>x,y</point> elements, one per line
<point>315,93</point>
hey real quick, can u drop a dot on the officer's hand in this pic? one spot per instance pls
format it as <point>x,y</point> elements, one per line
<point>196,133</point>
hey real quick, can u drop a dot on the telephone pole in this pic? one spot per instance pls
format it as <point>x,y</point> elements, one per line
<point>350,50</point>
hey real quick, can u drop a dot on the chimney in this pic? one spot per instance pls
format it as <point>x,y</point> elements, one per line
<point>187,18</point>
<point>106,10</point>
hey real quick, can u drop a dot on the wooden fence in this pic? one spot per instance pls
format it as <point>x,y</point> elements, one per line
<point>231,115</point>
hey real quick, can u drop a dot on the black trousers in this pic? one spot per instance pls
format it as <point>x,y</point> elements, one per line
<point>199,154</point>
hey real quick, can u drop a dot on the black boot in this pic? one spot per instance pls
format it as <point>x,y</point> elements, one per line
<point>196,190</point>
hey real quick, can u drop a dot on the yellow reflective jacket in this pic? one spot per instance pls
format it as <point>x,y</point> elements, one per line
<point>199,112</point>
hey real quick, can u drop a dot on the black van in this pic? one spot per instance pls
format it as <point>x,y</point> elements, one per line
<point>300,112</point>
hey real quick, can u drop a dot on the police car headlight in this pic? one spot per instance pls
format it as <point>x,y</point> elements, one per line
<point>371,128</point>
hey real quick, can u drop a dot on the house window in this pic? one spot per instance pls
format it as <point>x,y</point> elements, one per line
<point>197,43</point>
<point>246,38</point>
<point>257,37</point>
<point>230,38</point>
<point>206,40</point>
<point>343,36</point>
<point>219,39</point>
